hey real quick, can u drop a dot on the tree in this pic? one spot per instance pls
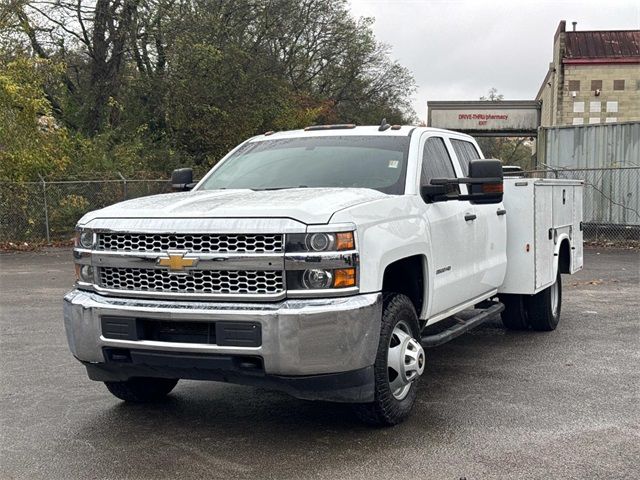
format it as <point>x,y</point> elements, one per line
<point>252,68</point>
<point>31,141</point>
<point>94,36</point>
<point>493,96</point>
<point>155,83</point>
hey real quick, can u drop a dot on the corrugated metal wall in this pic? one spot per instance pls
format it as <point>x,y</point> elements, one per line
<point>592,146</point>
<point>607,157</point>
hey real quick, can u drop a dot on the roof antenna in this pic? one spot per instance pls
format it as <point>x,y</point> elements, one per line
<point>384,125</point>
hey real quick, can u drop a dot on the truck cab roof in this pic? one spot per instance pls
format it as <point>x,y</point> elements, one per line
<point>341,130</point>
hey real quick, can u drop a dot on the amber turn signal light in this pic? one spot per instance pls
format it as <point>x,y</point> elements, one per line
<point>344,277</point>
<point>492,188</point>
<point>344,241</point>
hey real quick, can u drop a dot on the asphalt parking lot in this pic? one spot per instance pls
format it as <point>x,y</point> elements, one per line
<point>492,404</point>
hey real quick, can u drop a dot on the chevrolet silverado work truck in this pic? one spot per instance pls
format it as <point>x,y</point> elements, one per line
<point>321,262</point>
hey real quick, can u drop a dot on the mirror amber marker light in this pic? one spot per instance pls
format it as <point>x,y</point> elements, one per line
<point>493,188</point>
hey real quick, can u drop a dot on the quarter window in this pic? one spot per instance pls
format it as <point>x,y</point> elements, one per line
<point>436,162</point>
<point>465,151</point>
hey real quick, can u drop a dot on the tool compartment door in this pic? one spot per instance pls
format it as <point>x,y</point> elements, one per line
<point>563,207</point>
<point>519,206</point>
<point>544,246</point>
<point>577,234</point>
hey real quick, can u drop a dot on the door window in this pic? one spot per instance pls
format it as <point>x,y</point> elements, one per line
<point>465,151</point>
<point>436,162</point>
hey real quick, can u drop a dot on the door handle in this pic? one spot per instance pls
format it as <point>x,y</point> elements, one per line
<point>469,217</point>
<point>502,211</point>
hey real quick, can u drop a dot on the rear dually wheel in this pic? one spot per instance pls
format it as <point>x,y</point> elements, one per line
<point>544,307</point>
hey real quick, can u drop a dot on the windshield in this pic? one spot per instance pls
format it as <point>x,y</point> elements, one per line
<point>343,161</point>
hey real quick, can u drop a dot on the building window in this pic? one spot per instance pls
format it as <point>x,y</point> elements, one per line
<point>578,121</point>
<point>595,106</point>
<point>612,107</point>
<point>578,107</point>
<point>611,120</point>
<point>593,120</point>
<point>574,85</point>
<point>596,85</point>
<point>618,84</point>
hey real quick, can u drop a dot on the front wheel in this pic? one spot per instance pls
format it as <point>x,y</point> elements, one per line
<point>544,307</point>
<point>399,363</point>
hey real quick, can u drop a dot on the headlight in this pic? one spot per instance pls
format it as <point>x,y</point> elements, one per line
<point>320,279</point>
<point>84,273</point>
<point>84,238</point>
<point>320,242</point>
<point>315,279</point>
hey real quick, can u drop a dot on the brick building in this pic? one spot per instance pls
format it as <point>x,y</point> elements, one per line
<point>594,78</point>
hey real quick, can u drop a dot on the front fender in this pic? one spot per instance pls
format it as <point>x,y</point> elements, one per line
<point>388,230</point>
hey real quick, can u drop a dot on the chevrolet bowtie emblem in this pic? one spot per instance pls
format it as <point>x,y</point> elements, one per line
<point>176,261</point>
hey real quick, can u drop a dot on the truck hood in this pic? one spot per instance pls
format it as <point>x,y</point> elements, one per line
<point>307,205</point>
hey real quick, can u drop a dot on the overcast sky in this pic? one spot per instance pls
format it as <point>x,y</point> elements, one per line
<point>458,49</point>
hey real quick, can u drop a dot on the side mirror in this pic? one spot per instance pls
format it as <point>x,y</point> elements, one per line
<point>433,193</point>
<point>485,183</point>
<point>488,186</point>
<point>182,179</point>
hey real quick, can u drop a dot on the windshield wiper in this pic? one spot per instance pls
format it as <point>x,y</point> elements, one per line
<point>281,188</point>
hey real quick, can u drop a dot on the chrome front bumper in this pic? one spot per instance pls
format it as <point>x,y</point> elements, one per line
<point>299,336</point>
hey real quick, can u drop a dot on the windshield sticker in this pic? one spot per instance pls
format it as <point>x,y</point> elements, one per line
<point>393,163</point>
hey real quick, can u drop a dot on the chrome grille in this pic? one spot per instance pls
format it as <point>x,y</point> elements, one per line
<point>199,281</point>
<point>197,243</point>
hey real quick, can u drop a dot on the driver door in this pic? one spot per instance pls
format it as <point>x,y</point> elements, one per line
<point>451,229</point>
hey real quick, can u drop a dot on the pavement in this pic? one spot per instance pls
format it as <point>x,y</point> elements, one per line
<point>492,403</point>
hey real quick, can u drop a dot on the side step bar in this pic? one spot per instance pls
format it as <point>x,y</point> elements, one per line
<point>463,326</point>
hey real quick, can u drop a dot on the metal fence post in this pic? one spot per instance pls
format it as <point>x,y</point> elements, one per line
<point>124,186</point>
<point>46,209</point>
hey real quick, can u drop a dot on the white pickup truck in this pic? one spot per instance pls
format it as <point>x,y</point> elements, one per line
<point>320,262</point>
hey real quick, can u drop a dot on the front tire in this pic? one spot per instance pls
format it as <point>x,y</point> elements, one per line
<point>399,363</point>
<point>142,389</point>
<point>544,307</point>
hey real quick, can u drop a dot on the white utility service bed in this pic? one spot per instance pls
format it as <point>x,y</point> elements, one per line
<point>541,214</point>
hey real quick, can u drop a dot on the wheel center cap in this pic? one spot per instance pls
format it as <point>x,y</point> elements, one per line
<point>413,359</point>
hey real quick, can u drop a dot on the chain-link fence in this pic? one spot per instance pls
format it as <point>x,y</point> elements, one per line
<point>611,202</point>
<point>47,211</point>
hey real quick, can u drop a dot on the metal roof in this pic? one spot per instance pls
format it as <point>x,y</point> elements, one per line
<point>621,46</point>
